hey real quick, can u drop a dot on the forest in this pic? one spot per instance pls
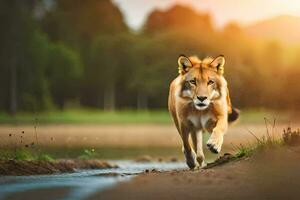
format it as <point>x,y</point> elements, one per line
<point>64,54</point>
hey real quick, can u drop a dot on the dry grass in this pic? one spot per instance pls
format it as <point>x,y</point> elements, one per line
<point>289,137</point>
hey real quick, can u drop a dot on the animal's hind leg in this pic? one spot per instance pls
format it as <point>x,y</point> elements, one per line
<point>197,138</point>
<point>189,153</point>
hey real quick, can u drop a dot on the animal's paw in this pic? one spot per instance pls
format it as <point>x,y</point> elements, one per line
<point>190,159</point>
<point>201,161</point>
<point>215,142</point>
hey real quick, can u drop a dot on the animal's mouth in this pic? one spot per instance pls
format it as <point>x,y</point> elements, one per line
<point>201,104</point>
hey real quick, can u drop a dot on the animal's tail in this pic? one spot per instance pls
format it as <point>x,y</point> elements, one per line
<point>234,115</point>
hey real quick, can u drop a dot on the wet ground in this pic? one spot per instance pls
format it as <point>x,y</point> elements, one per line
<point>98,184</point>
<point>270,174</point>
<point>79,185</point>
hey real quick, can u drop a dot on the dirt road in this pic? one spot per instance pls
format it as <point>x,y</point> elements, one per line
<point>272,174</point>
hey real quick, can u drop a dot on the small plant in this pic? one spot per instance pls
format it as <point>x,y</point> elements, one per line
<point>45,157</point>
<point>290,137</point>
<point>19,149</point>
<point>267,141</point>
<point>244,151</point>
<point>23,154</point>
<point>88,154</point>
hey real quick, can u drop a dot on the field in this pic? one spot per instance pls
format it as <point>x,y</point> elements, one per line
<point>86,116</point>
<point>127,138</point>
<point>121,135</point>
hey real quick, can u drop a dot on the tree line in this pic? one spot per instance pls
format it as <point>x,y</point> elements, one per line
<point>63,53</point>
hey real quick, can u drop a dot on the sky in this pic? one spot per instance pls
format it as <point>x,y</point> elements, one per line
<point>222,11</point>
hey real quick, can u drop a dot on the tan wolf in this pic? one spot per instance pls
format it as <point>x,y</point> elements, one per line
<point>199,101</point>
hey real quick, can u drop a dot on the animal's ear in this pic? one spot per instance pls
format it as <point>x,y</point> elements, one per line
<point>184,64</point>
<point>218,63</point>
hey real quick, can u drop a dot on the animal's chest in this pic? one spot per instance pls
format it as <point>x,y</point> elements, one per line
<point>204,121</point>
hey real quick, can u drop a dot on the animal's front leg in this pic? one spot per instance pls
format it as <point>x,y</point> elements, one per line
<point>215,141</point>
<point>187,150</point>
<point>197,138</point>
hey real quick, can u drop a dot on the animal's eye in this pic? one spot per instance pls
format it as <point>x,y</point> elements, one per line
<point>192,82</point>
<point>210,82</point>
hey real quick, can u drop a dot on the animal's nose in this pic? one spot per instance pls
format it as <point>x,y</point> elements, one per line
<point>201,98</point>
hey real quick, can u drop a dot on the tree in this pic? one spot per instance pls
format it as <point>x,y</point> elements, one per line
<point>33,85</point>
<point>179,18</point>
<point>23,56</point>
<point>78,23</point>
<point>64,72</point>
<point>80,26</point>
<point>111,61</point>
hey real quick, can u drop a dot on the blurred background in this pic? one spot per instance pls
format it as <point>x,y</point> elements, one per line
<point>96,73</point>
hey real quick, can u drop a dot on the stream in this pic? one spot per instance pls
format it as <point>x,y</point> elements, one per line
<point>79,185</point>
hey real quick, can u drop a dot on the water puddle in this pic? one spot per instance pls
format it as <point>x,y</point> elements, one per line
<point>82,184</point>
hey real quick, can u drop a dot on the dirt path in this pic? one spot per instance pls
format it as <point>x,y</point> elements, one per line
<point>272,174</point>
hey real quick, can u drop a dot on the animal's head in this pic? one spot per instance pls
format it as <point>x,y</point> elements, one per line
<point>202,81</point>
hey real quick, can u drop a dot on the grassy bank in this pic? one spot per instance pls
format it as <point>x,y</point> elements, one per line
<point>76,116</point>
<point>289,138</point>
<point>102,153</point>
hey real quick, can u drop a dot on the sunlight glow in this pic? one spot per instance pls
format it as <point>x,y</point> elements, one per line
<point>222,11</point>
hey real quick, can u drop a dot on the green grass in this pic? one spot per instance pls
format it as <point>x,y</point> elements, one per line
<point>263,143</point>
<point>105,153</point>
<point>76,116</point>
<point>88,116</point>
<point>289,138</point>
<point>24,154</point>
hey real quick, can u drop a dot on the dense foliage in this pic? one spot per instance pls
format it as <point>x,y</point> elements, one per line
<point>63,53</point>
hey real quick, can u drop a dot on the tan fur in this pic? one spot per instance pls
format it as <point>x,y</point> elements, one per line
<point>196,79</point>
